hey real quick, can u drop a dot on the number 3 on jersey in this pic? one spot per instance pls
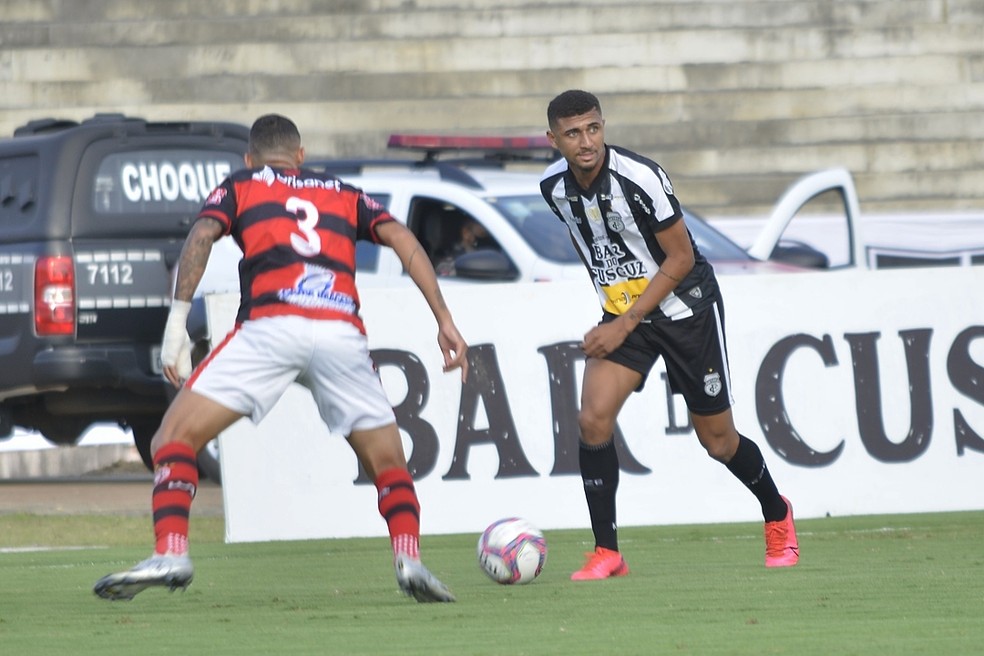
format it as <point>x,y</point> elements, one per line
<point>308,243</point>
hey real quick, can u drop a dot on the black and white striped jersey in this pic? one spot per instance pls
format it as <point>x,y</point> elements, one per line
<point>614,226</point>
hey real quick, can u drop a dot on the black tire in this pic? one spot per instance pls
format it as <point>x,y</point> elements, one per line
<point>143,432</point>
<point>63,432</point>
<point>208,458</point>
<point>208,462</point>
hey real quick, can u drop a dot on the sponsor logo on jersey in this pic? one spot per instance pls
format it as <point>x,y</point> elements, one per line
<point>611,264</point>
<point>571,201</point>
<point>622,295</point>
<point>371,202</point>
<point>315,288</point>
<point>712,384</point>
<point>642,204</point>
<point>696,293</point>
<point>265,175</point>
<point>605,253</point>
<point>667,186</point>
<point>268,176</point>
<point>623,271</point>
<point>216,196</point>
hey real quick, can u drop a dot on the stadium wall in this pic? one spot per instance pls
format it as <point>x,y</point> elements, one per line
<point>735,98</point>
<point>863,389</point>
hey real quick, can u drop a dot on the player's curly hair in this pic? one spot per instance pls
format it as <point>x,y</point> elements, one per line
<point>273,133</point>
<point>573,102</point>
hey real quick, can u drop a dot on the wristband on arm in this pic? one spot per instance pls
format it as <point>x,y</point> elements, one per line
<point>176,345</point>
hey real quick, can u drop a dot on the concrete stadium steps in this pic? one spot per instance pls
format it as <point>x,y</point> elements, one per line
<point>892,89</point>
<point>169,21</point>
<point>274,53</point>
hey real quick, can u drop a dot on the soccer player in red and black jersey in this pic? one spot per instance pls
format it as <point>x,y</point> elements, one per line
<point>298,321</point>
<point>659,298</point>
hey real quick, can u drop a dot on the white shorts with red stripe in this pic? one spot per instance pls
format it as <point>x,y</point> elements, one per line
<point>252,368</point>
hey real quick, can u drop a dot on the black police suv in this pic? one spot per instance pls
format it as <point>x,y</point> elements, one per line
<point>93,215</point>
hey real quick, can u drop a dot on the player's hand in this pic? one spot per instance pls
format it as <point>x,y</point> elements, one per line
<point>176,346</point>
<point>604,338</point>
<point>454,348</point>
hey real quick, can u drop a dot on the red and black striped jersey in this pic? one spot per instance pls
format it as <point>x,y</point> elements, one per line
<point>297,229</point>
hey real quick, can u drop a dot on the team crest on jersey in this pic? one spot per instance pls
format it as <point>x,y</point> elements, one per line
<point>712,384</point>
<point>614,221</point>
<point>696,293</point>
<point>216,196</point>
<point>265,175</point>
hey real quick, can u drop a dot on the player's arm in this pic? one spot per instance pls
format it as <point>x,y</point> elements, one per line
<point>176,345</point>
<point>194,256</point>
<point>675,242</point>
<point>418,266</point>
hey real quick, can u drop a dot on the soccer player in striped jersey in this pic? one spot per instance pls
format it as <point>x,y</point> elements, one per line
<point>659,298</point>
<point>298,321</point>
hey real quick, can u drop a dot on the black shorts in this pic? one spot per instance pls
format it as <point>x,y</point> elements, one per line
<point>694,354</point>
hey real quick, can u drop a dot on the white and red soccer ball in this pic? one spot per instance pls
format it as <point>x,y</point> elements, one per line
<point>512,551</point>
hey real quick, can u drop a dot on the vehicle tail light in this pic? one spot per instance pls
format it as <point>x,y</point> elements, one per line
<point>54,296</point>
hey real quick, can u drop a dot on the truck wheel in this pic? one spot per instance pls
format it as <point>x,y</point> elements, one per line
<point>208,462</point>
<point>208,458</point>
<point>143,432</point>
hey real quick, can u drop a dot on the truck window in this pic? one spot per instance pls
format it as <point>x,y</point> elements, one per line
<point>151,190</point>
<point>18,189</point>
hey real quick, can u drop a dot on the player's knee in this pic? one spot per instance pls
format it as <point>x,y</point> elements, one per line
<point>176,428</point>
<point>720,446</point>
<point>162,439</point>
<point>715,451</point>
<point>594,429</point>
<point>378,449</point>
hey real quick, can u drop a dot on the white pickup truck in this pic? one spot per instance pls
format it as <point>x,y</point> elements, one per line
<point>525,242</point>
<point>825,205</point>
<point>864,386</point>
<point>434,194</point>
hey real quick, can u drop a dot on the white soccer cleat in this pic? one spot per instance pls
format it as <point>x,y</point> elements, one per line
<point>166,570</point>
<point>416,581</point>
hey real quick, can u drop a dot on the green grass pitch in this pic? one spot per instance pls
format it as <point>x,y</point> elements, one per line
<point>890,584</point>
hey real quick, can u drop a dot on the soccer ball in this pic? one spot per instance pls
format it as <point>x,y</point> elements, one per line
<point>512,551</point>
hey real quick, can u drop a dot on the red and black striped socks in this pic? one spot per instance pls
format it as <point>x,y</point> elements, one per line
<point>175,484</point>
<point>398,505</point>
